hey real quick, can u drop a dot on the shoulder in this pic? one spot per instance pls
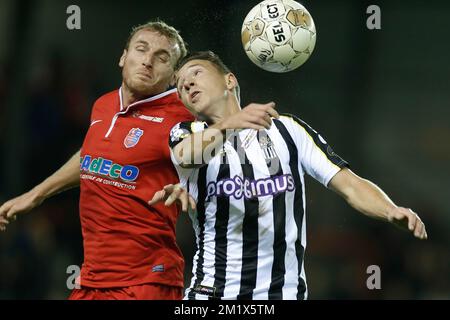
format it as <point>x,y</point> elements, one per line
<point>108,99</point>
<point>291,119</point>
<point>183,129</point>
<point>292,123</point>
<point>189,127</point>
<point>182,114</point>
<point>176,110</point>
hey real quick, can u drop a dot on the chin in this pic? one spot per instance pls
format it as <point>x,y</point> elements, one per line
<point>201,106</point>
<point>142,88</point>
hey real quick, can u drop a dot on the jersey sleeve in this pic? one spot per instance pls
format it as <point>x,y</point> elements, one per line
<point>183,129</point>
<point>179,132</point>
<point>316,156</point>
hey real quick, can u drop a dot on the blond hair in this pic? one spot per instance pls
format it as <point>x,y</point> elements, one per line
<point>164,29</point>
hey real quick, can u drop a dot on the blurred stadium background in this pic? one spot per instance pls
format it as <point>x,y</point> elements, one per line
<point>381,98</point>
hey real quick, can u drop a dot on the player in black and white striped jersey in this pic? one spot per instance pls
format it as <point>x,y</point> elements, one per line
<point>249,186</point>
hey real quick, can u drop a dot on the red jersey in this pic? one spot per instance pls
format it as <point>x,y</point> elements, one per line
<point>125,159</point>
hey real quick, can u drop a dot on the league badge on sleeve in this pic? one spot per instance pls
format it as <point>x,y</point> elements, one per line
<point>178,133</point>
<point>133,137</point>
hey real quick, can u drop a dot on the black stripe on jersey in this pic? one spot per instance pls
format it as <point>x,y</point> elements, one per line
<point>200,274</point>
<point>298,203</point>
<point>250,239</point>
<point>221,228</point>
<point>279,242</point>
<point>325,147</point>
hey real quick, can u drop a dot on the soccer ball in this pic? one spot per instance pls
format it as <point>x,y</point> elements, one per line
<point>278,35</point>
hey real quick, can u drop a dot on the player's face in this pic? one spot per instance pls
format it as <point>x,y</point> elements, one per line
<point>148,63</point>
<point>200,85</point>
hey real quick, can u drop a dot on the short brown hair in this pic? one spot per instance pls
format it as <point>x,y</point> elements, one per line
<point>204,55</point>
<point>211,57</point>
<point>164,29</point>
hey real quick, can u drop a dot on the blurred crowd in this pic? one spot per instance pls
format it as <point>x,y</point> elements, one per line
<point>36,251</point>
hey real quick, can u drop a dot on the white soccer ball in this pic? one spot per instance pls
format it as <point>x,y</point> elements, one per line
<point>278,35</point>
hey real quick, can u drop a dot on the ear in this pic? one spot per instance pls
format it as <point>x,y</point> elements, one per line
<point>173,80</point>
<point>231,81</point>
<point>122,58</point>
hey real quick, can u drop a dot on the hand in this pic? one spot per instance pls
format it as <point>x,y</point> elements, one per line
<point>254,116</point>
<point>408,220</point>
<point>172,193</point>
<point>22,204</point>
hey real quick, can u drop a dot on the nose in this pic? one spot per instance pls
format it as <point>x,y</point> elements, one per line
<point>188,83</point>
<point>148,60</point>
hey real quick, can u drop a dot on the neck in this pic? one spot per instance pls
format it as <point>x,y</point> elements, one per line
<point>128,96</point>
<point>225,108</point>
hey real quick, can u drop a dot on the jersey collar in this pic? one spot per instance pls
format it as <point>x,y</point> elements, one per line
<point>153,98</point>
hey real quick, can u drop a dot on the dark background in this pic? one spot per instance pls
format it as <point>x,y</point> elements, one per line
<point>381,99</point>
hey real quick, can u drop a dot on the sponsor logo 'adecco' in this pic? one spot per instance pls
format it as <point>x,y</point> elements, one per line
<point>106,167</point>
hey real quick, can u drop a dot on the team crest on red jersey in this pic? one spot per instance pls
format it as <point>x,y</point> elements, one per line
<point>133,137</point>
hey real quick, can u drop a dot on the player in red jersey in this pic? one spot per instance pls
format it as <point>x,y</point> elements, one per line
<point>130,249</point>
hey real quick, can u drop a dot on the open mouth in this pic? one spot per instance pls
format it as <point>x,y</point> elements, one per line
<point>194,95</point>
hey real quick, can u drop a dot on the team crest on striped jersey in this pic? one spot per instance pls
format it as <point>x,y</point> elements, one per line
<point>267,147</point>
<point>133,137</point>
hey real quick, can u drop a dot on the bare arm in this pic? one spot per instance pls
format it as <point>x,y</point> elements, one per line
<point>369,199</point>
<point>197,149</point>
<point>191,151</point>
<point>67,177</point>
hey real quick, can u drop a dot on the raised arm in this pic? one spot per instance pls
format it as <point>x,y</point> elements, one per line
<point>369,199</point>
<point>194,149</point>
<point>67,177</point>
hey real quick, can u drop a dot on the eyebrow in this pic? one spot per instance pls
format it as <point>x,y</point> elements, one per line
<point>142,42</point>
<point>163,51</point>
<point>160,51</point>
<point>194,65</point>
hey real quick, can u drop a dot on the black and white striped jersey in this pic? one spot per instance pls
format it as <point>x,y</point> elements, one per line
<point>250,223</point>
